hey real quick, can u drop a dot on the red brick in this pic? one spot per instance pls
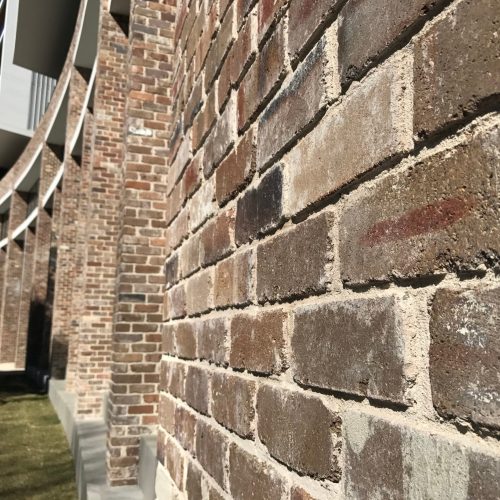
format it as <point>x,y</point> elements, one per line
<point>465,353</point>
<point>436,215</point>
<point>262,78</point>
<point>234,173</point>
<point>250,477</point>
<point>233,403</point>
<point>300,431</point>
<point>258,342</point>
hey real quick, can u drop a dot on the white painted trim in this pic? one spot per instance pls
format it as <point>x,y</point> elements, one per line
<point>3,243</point>
<point>81,118</point>
<point>6,196</point>
<point>53,185</point>
<point>32,162</point>
<point>25,224</point>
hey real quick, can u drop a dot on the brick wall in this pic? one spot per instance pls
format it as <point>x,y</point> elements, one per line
<point>331,303</point>
<point>279,248</point>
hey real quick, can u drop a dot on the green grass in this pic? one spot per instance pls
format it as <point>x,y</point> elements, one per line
<point>35,461</point>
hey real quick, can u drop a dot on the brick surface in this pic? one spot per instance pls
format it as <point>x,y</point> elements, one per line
<point>357,347</point>
<point>381,24</point>
<point>212,338</point>
<point>314,84</point>
<point>261,79</point>
<point>310,243</point>
<point>233,403</point>
<point>236,170</point>
<point>199,292</point>
<point>221,138</point>
<point>306,19</point>
<point>197,389</point>
<point>259,211</point>
<point>458,57</point>
<point>217,238</point>
<point>300,431</point>
<point>449,223</point>
<point>250,477</point>
<point>233,281</point>
<point>394,460</point>
<point>371,125</point>
<point>257,342</point>
<point>211,449</point>
<point>464,354</point>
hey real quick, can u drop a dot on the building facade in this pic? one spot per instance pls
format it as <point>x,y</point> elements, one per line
<point>255,244</point>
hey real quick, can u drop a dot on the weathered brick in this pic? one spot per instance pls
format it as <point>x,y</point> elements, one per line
<point>199,291</point>
<point>168,340</point>
<point>221,138</point>
<point>212,336</point>
<point>259,210</point>
<point>300,431</point>
<point>189,256</point>
<point>236,170</point>
<point>167,413</point>
<point>257,342</point>
<point>368,28</point>
<point>438,214</point>
<point>220,46</point>
<point>458,57</point>
<point>177,231</point>
<point>185,339</point>
<point>172,377</point>
<point>194,104</point>
<point>264,75</point>
<point>386,458</point>
<point>314,84</point>
<point>211,449</point>
<point>250,477</point>
<point>233,280</point>
<point>237,60</point>
<point>185,426</point>
<point>204,120</point>
<point>172,270</point>
<point>217,238</point>
<point>268,12</point>
<point>175,302</point>
<point>193,482</point>
<point>305,20</point>
<point>465,353</point>
<point>202,205</point>
<point>357,347</point>
<point>233,403</point>
<point>197,389</point>
<point>372,124</point>
<point>296,262</point>
<point>175,462</point>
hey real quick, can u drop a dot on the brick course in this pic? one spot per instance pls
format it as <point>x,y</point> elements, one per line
<point>278,249</point>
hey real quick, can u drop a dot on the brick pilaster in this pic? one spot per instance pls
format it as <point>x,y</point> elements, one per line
<point>103,218</point>
<point>137,328</point>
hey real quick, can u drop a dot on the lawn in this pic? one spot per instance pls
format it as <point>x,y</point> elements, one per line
<point>35,461</point>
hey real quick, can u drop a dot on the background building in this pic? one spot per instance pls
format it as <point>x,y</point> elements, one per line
<point>255,244</point>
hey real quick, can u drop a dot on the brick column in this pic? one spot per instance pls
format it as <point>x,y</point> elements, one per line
<point>65,274</point>
<point>133,406</point>
<point>64,332</point>
<point>80,253</point>
<point>103,219</point>
<point>38,334</point>
<point>12,288</point>
<point>25,297</point>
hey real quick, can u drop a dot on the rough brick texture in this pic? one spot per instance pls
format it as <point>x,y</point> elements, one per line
<point>270,236</point>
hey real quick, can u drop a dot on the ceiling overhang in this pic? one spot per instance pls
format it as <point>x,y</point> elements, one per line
<point>44,32</point>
